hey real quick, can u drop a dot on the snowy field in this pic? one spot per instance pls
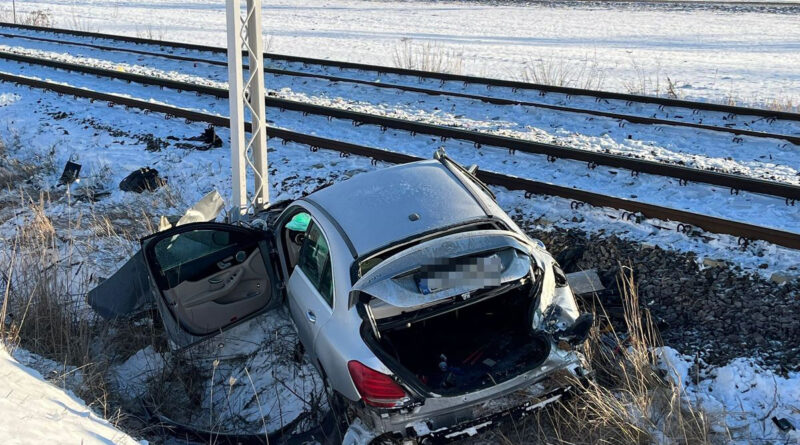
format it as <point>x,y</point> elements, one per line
<point>749,54</point>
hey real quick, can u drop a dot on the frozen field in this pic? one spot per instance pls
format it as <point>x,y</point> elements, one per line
<point>748,53</point>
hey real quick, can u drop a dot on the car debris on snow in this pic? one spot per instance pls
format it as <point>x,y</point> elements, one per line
<point>141,180</point>
<point>71,173</point>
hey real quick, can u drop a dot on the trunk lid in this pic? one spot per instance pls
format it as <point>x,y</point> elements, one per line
<point>444,268</point>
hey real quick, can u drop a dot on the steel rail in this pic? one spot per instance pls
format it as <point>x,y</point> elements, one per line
<point>489,82</point>
<point>742,230</point>
<point>735,182</point>
<point>737,131</point>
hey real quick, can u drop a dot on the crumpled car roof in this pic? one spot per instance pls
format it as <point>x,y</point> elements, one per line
<point>374,209</point>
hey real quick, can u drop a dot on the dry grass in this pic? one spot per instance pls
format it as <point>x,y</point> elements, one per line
<point>651,83</point>
<point>45,279</point>
<point>428,56</point>
<point>586,73</point>
<point>630,400</point>
<point>38,17</point>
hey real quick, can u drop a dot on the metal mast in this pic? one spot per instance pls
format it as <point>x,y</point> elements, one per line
<point>244,35</point>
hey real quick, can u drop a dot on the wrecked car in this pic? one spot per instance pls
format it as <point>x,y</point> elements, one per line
<point>426,310</point>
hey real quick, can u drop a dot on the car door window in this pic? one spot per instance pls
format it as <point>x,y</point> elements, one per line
<point>315,262</point>
<point>189,255</point>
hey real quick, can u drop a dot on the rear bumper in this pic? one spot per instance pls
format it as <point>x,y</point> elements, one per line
<point>472,427</point>
<point>448,418</point>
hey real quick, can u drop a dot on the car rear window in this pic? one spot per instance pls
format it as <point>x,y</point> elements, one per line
<point>369,262</point>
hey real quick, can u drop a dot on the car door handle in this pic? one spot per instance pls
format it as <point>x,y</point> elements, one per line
<point>311,317</point>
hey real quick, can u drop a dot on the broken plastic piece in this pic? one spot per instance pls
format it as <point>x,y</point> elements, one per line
<point>783,423</point>
<point>71,173</point>
<point>206,209</point>
<point>585,282</point>
<point>144,179</point>
<point>208,139</point>
<point>164,224</point>
<point>579,330</point>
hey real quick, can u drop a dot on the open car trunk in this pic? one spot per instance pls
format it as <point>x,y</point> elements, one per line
<point>467,346</point>
<point>455,314</point>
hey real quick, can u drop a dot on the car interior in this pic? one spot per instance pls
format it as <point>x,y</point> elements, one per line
<point>211,278</point>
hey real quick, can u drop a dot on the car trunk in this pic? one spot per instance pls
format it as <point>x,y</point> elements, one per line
<point>463,346</point>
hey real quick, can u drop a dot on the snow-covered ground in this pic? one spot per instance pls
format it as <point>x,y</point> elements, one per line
<point>690,44</point>
<point>739,399</point>
<point>88,133</point>
<point>749,54</point>
<point>706,149</point>
<point>33,410</point>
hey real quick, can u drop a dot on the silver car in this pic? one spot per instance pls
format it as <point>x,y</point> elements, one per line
<point>424,307</point>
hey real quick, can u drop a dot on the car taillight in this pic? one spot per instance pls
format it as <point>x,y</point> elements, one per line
<point>376,388</point>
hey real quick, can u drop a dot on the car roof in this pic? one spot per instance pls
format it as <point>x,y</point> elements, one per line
<point>374,209</point>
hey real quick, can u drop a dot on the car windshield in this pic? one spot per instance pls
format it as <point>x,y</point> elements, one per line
<point>369,262</point>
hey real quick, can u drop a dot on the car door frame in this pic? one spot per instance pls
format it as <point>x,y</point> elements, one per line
<point>298,300</point>
<point>179,336</point>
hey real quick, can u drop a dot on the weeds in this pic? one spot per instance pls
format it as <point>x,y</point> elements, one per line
<point>38,17</point>
<point>150,33</point>
<point>586,73</point>
<point>427,56</point>
<point>630,400</point>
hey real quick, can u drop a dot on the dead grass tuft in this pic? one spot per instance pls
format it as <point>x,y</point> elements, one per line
<point>37,17</point>
<point>428,56</point>
<point>586,73</point>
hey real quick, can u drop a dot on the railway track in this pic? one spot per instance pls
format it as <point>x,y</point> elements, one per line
<point>631,209</point>
<point>789,192</point>
<point>729,127</point>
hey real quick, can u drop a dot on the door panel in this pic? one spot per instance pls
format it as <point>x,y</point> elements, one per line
<point>206,305</point>
<point>310,287</point>
<point>210,276</point>
<point>309,311</point>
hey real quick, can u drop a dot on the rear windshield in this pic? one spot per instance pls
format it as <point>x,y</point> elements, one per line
<point>369,263</point>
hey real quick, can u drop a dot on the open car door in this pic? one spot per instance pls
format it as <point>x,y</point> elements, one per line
<point>208,277</point>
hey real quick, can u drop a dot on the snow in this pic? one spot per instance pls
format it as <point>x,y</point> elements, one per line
<point>34,411</point>
<point>740,399</point>
<point>134,375</point>
<point>761,158</point>
<point>692,44</point>
<point>746,53</point>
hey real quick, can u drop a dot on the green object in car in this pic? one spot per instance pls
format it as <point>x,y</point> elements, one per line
<point>299,222</point>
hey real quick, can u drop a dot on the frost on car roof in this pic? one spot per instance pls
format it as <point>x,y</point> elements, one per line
<point>374,209</point>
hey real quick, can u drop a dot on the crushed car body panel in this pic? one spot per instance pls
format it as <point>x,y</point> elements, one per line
<point>448,416</point>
